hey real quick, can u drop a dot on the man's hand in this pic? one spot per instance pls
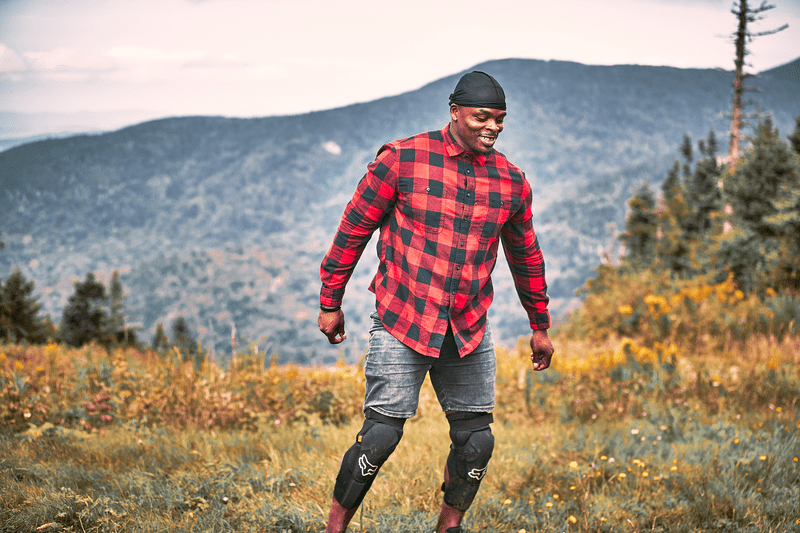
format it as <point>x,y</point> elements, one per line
<point>541,349</point>
<point>331,323</point>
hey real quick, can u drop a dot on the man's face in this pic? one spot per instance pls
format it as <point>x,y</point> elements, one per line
<point>476,128</point>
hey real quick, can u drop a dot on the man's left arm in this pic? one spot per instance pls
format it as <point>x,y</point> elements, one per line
<point>526,262</point>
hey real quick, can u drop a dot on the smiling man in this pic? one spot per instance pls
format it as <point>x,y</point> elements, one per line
<point>442,201</point>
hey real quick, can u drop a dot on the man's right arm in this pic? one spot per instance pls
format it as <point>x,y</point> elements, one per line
<point>373,198</point>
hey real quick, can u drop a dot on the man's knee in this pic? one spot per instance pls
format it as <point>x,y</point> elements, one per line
<point>374,444</point>
<point>470,451</point>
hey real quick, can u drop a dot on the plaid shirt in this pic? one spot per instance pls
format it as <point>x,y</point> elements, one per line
<point>441,212</point>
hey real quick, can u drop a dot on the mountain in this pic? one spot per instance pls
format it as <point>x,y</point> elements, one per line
<point>225,221</point>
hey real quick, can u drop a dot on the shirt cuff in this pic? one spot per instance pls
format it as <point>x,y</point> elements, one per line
<point>330,298</point>
<point>540,320</point>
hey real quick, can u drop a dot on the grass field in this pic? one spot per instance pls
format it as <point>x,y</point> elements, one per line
<point>618,437</point>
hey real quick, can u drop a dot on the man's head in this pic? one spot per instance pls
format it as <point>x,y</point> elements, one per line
<point>477,111</point>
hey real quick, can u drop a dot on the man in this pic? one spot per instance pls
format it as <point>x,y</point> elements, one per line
<point>442,201</point>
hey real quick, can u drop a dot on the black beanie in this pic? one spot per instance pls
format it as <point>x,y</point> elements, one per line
<point>478,89</point>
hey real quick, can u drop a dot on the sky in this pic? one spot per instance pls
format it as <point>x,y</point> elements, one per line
<point>107,62</point>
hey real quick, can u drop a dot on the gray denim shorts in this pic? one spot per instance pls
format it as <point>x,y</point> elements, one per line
<point>395,374</point>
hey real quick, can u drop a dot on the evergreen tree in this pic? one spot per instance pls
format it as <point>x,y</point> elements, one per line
<point>160,340</point>
<point>673,249</point>
<point>641,229</point>
<point>688,156</point>
<point>116,306</point>
<point>764,194</point>
<point>742,37</point>
<point>702,191</point>
<point>794,139</point>
<point>183,339</point>
<point>85,318</point>
<point>118,330</point>
<point>19,312</point>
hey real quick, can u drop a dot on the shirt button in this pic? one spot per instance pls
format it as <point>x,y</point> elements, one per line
<point>458,267</point>
<point>462,243</point>
<point>428,189</point>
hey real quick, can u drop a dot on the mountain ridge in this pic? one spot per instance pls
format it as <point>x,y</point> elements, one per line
<point>225,220</point>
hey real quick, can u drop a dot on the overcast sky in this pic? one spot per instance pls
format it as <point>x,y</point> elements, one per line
<point>265,57</point>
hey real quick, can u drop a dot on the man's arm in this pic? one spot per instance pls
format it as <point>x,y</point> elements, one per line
<point>526,262</point>
<point>374,197</point>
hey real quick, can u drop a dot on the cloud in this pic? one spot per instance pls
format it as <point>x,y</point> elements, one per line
<point>156,58</point>
<point>10,61</point>
<point>65,58</point>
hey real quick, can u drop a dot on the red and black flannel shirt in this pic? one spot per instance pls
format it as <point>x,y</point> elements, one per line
<point>441,211</point>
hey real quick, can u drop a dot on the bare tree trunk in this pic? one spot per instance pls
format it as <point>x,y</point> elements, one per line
<point>744,14</point>
<point>738,84</point>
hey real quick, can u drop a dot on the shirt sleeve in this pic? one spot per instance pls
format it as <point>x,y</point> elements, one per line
<point>525,259</point>
<point>373,199</point>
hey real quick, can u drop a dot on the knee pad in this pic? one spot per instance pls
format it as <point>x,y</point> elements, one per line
<point>374,444</point>
<point>470,451</point>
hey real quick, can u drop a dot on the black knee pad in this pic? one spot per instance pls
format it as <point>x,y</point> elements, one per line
<point>375,442</point>
<point>470,451</point>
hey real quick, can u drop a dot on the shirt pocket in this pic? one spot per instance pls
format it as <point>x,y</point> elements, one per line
<point>492,211</point>
<point>423,201</point>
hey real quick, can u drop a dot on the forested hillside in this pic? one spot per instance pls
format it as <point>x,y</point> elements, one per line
<point>224,221</point>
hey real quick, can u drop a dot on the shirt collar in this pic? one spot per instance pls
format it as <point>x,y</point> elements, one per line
<point>454,149</point>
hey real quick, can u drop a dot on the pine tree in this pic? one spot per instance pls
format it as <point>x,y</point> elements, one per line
<point>641,229</point>
<point>764,193</point>
<point>688,156</point>
<point>674,249</point>
<point>119,331</point>
<point>116,299</point>
<point>702,190</point>
<point>794,139</point>
<point>19,312</point>
<point>742,37</point>
<point>85,318</point>
<point>183,339</point>
<point>160,340</point>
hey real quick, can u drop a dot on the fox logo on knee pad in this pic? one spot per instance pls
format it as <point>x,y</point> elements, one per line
<point>470,451</point>
<point>477,473</point>
<point>367,469</point>
<point>377,440</point>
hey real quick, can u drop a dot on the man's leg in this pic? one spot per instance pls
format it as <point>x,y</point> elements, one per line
<point>465,388</point>
<point>470,451</point>
<point>374,444</point>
